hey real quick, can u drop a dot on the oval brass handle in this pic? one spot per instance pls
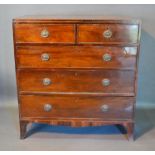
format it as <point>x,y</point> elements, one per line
<point>107,57</point>
<point>45,57</point>
<point>46,81</point>
<point>105,108</point>
<point>107,34</point>
<point>44,33</point>
<point>76,74</point>
<point>47,107</point>
<point>105,82</point>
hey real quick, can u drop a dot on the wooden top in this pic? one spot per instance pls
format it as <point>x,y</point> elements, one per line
<point>75,19</point>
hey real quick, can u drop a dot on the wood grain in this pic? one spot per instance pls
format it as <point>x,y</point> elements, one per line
<point>76,57</point>
<point>77,107</point>
<point>29,33</point>
<point>121,33</point>
<point>121,82</point>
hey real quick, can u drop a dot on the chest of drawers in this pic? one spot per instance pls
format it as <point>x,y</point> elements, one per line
<point>76,72</point>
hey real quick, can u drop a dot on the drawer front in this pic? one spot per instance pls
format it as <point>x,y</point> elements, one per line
<point>76,107</point>
<point>107,33</point>
<point>112,82</point>
<point>41,33</point>
<point>76,57</point>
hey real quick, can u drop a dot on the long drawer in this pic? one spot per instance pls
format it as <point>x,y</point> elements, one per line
<point>76,57</point>
<point>106,108</point>
<point>108,33</point>
<point>44,33</point>
<point>110,82</point>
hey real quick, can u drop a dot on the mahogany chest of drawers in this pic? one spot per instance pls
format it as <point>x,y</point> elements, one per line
<point>76,72</point>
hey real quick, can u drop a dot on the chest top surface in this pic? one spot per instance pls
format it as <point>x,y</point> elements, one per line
<point>77,19</point>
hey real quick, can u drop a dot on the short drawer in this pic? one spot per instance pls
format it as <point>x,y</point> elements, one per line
<point>44,33</point>
<point>108,33</point>
<point>77,107</point>
<point>76,57</point>
<point>104,82</point>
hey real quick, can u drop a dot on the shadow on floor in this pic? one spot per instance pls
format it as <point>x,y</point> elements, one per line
<point>108,129</point>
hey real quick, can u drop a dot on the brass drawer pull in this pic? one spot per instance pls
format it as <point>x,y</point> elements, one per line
<point>76,74</point>
<point>45,57</point>
<point>105,82</point>
<point>107,34</point>
<point>107,57</point>
<point>44,33</point>
<point>46,81</point>
<point>104,108</point>
<point>47,107</point>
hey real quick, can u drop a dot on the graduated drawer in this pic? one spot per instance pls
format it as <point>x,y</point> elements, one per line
<point>104,82</point>
<point>108,108</point>
<point>44,33</point>
<point>108,33</point>
<point>76,57</point>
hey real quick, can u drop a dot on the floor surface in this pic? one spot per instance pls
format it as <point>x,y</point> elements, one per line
<point>45,137</point>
